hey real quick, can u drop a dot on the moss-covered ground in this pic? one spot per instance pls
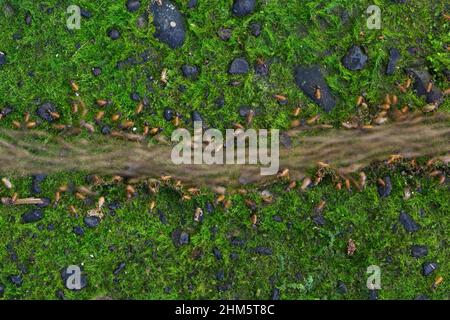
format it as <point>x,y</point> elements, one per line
<point>306,261</point>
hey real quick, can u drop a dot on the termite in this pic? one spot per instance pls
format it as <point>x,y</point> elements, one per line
<point>165,178</point>
<point>408,83</point>
<point>115,117</point>
<point>313,119</point>
<point>26,117</point>
<point>31,124</point>
<point>152,205</point>
<point>305,184</point>
<point>321,206</point>
<point>387,99</point>
<point>164,76</point>
<point>80,196</point>
<point>394,100</point>
<point>339,186</point>
<point>254,219</point>
<point>362,180</point>
<point>291,185</point>
<point>100,115</point>
<point>430,108</point>
<point>280,97</point>
<point>198,214</point>
<point>359,100</point>
<point>284,173</point>
<point>74,86</point>
<point>351,247</point>
<point>146,129</point>
<point>296,111</point>
<point>250,116</point>
<point>429,86</point>
<point>437,282</point>
<point>127,124</point>
<point>7,183</point>
<point>75,107</point>
<point>318,93</point>
<point>176,121</point>
<point>348,185</point>
<point>89,127</point>
<point>139,108</point>
<point>101,202</point>
<point>295,123</point>
<point>55,115</point>
<point>16,124</point>
<point>102,103</point>
<point>57,197</point>
<point>72,210</point>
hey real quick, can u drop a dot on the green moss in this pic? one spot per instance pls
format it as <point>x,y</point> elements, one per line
<point>307,260</point>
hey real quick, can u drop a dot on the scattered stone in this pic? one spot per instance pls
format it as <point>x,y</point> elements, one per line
<point>223,287</point>
<point>262,69</point>
<point>275,294</point>
<point>355,59</point>
<point>238,66</point>
<point>79,231</point>
<point>45,203</point>
<point>418,251</point>
<point>220,275</point>
<point>180,238</point>
<point>169,24</point>
<point>119,268</point>
<point>133,5</point>
<point>428,268</point>
<point>408,222</point>
<point>386,189</point>
<point>319,219</point>
<point>190,72</point>
<point>114,34</point>
<point>421,297</point>
<point>45,111</point>
<point>135,96</point>
<point>28,18</point>
<point>243,8</point>
<point>168,114</point>
<point>142,21</point>
<point>192,4</point>
<point>224,34</point>
<point>16,280</point>
<point>106,130</point>
<point>309,79</point>
<point>2,59</point>
<point>96,71</point>
<point>373,295</point>
<point>32,216</point>
<point>422,79</point>
<point>2,290</point>
<point>69,280</point>
<point>162,217</point>
<point>6,111</point>
<point>196,116</point>
<point>91,221</point>
<point>85,13</point>
<point>255,29</point>
<point>394,57</point>
<point>184,238</point>
<point>341,287</point>
<point>263,251</point>
<point>217,254</point>
<point>277,218</point>
<point>36,181</point>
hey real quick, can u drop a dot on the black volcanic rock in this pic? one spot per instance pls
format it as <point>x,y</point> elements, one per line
<point>238,66</point>
<point>355,59</point>
<point>169,24</point>
<point>243,8</point>
<point>394,57</point>
<point>422,78</point>
<point>32,216</point>
<point>309,79</point>
<point>408,222</point>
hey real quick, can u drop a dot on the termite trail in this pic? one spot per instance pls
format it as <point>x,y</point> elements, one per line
<point>24,152</point>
